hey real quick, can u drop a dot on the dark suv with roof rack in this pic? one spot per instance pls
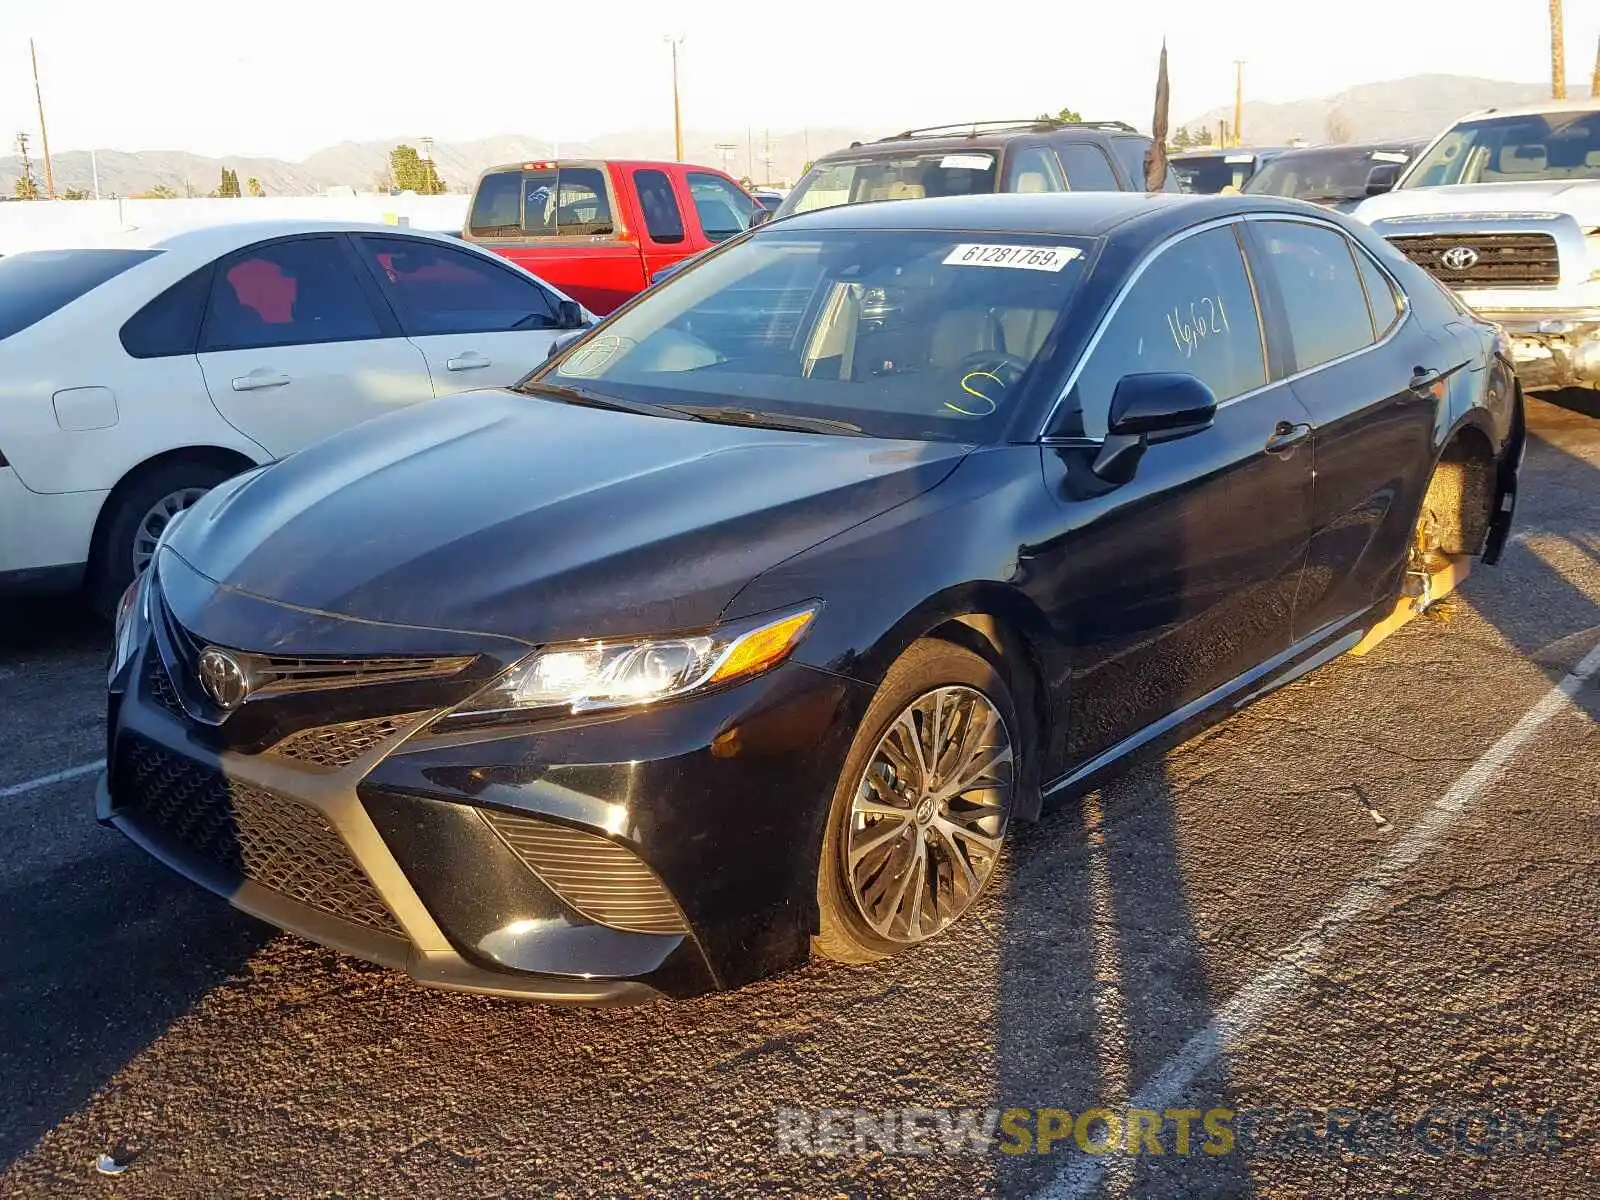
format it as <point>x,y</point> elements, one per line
<point>981,156</point>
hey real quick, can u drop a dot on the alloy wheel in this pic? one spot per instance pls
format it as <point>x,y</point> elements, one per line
<point>154,523</point>
<point>929,815</point>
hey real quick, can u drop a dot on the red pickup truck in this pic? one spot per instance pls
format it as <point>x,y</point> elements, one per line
<point>600,230</point>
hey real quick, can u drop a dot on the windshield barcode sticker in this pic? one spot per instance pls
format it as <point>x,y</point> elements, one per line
<point>1026,258</point>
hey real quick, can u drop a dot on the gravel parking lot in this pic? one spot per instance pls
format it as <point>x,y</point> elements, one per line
<point>1375,892</point>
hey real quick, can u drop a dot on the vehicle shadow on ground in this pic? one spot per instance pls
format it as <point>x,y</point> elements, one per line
<point>103,947</point>
<point>45,625</point>
<point>1087,1021</point>
<point>101,955</point>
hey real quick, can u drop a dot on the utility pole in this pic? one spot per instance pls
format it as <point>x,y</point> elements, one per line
<point>27,189</point>
<point>94,173</point>
<point>677,112</point>
<point>727,150</point>
<point>750,153</point>
<point>44,134</point>
<point>1558,52</point>
<point>1594,83</point>
<point>1238,97</point>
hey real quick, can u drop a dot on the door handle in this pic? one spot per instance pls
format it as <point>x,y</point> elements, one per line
<point>258,379</point>
<point>470,361</point>
<point>1286,436</point>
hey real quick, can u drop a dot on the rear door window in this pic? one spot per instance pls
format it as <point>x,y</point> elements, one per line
<point>287,294</point>
<point>36,283</point>
<point>1382,298</point>
<point>1130,152</point>
<point>1319,289</point>
<point>663,219</point>
<point>723,209</point>
<point>169,324</point>
<point>435,289</point>
<point>1034,169</point>
<point>1088,169</point>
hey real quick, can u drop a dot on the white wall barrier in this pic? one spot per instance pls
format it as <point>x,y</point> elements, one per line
<point>46,225</point>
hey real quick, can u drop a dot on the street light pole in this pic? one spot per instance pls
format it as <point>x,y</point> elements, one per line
<point>677,112</point>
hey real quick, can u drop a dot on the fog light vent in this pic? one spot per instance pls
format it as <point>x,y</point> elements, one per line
<point>601,879</point>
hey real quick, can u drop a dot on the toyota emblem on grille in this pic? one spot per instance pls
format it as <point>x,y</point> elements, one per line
<point>1459,258</point>
<point>223,678</point>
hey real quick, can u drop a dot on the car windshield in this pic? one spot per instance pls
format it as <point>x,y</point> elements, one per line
<point>1339,173</point>
<point>1558,145</point>
<point>893,177</point>
<point>1209,175</point>
<point>891,334</point>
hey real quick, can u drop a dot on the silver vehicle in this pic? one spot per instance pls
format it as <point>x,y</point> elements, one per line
<point>1504,209</point>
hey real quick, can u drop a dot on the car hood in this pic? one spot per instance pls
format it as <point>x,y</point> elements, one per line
<point>1579,197</point>
<point>494,512</point>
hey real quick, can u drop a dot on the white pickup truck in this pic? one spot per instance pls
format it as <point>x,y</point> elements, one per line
<point>1504,209</point>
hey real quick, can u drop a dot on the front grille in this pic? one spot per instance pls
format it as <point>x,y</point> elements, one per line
<point>157,685</point>
<point>1504,259</point>
<point>601,879</point>
<point>335,746</point>
<point>275,842</point>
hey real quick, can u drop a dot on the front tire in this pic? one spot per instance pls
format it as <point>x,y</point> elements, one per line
<point>142,510</point>
<point>921,811</point>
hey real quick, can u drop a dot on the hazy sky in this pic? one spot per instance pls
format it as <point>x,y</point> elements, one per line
<point>286,77</point>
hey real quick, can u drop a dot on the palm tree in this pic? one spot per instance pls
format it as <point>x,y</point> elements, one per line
<point>1558,53</point>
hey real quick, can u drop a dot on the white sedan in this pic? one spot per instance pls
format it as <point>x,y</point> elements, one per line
<point>133,378</point>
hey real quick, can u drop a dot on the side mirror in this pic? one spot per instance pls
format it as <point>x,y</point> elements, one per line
<point>562,341</point>
<point>1382,178</point>
<point>570,315</point>
<point>761,216</point>
<point>1147,409</point>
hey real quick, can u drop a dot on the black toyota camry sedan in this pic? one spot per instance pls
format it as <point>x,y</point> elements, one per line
<point>754,622</point>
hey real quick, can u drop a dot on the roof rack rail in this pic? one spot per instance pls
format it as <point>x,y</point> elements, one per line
<point>973,128</point>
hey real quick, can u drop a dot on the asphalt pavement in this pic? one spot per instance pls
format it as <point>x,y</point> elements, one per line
<point>1347,941</point>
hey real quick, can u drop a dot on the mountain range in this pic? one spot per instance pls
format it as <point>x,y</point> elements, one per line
<point>1417,106</point>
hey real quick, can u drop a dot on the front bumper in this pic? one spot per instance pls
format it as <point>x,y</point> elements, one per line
<point>611,859</point>
<point>1553,349</point>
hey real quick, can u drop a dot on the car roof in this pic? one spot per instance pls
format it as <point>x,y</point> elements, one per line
<point>626,164</point>
<point>212,240</point>
<point>1218,152</point>
<point>1067,214</point>
<point>1537,107</point>
<point>976,137</point>
<point>1358,147</point>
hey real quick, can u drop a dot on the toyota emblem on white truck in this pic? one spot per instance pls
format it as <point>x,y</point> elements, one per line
<point>1459,258</point>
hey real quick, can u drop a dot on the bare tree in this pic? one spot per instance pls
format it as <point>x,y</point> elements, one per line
<point>1337,128</point>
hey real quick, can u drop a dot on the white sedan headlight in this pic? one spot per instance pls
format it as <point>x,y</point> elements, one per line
<point>586,676</point>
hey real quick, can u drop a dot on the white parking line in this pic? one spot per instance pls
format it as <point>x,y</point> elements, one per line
<point>1255,999</point>
<point>30,785</point>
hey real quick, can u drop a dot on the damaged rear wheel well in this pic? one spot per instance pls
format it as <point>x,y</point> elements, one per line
<point>1456,510</point>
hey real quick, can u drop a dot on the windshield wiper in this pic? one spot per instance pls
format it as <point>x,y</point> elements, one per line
<point>726,415</point>
<point>584,399</point>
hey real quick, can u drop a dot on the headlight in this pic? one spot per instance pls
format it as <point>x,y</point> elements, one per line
<point>587,676</point>
<point>131,625</point>
<point>133,609</point>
